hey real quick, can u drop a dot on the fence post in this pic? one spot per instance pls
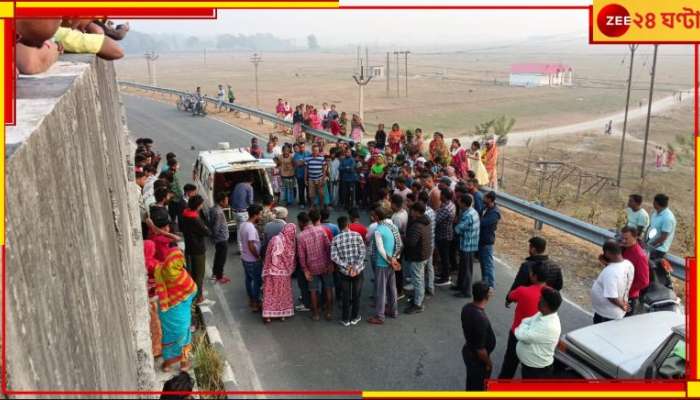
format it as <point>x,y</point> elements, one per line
<point>538,223</point>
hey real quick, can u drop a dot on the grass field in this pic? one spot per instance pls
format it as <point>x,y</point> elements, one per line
<point>450,92</point>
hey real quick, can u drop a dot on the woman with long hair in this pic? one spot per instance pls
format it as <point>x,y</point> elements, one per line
<point>460,162</point>
<point>396,138</point>
<point>357,129</point>
<point>477,165</point>
<point>278,297</point>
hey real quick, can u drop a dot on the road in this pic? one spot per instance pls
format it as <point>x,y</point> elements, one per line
<point>420,351</point>
<point>519,138</point>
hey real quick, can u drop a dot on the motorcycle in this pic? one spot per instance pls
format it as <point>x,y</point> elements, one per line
<point>184,103</point>
<point>199,107</point>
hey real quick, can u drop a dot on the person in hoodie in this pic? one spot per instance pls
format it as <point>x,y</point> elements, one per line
<point>418,250</point>
<point>194,229</point>
<point>487,237</point>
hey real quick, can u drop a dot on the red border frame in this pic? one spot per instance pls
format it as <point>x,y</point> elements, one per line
<point>209,13</point>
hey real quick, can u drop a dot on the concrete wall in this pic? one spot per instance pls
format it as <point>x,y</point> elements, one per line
<point>77,313</point>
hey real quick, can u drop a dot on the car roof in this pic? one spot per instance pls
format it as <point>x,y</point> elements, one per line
<point>232,160</point>
<point>626,343</point>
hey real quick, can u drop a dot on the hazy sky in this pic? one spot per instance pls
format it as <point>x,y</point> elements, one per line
<point>382,27</point>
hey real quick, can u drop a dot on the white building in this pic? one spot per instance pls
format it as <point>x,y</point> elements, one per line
<point>529,75</point>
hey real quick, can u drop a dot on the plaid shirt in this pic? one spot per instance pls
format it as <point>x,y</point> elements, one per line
<point>468,229</point>
<point>348,249</point>
<point>444,217</point>
<point>314,251</point>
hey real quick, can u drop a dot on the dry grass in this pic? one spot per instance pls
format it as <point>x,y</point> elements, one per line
<point>207,363</point>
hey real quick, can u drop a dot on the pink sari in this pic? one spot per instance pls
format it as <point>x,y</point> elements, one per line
<point>460,162</point>
<point>278,298</point>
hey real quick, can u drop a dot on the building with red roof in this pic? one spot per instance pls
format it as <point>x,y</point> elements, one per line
<point>533,74</point>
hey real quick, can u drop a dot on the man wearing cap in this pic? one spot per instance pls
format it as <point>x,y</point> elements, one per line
<point>272,228</point>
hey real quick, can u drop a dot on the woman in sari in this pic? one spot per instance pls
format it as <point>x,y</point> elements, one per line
<point>490,158</point>
<point>356,129</point>
<point>377,176</point>
<point>477,165</point>
<point>278,298</point>
<point>438,150</point>
<point>343,121</point>
<point>176,291</point>
<point>297,120</point>
<point>149,254</point>
<point>396,138</point>
<point>460,162</point>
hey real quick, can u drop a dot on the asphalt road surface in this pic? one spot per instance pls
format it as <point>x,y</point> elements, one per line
<point>412,352</point>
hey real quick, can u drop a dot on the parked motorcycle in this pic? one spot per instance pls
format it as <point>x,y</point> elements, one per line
<point>199,107</point>
<point>184,102</point>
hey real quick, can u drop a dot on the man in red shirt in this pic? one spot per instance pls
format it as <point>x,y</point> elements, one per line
<point>634,253</point>
<point>334,125</point>
<point>528,299</point>
<point>355,225</point>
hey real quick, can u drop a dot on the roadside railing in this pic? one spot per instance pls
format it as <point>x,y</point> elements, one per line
<point>565,223</point>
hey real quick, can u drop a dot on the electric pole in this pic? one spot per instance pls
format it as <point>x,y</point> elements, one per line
<point>151,58</point>
<point>386,74</point>
<point>651,93</point>
<point>405,69</point>
<point>362,81</point>
<point>256,59</point>
<point>633,48</point>
<point>398,93</point>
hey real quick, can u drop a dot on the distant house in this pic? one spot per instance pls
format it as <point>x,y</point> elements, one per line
<point>529,75</point>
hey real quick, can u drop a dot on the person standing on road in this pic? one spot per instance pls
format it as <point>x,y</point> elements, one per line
<point>537,248</point>
<point>417,253</point>
<point>195,230</point>
<point>400,219</point>
<point>348,253</point>
<point>527,299</point>
<point>221,96</point>
<point>315,175</point>
<point>348,179</point>
<point>444,232</point>
<point>478,337</point>
<point>286,166</point>
<point>300,170</point>
<point>637,217</point>
<point>632,251</point>
<point>488,223</point>
<point>385,247</point>
<point>241,198</point>
<point>314,256</point>
<point>429,267</point>
<point>610,292</point>
<point>220,234</point>
<point>278,296</point>
<point>251,257</point>
<point>468,231</point>
<point>663,222</point>
<point>538,337</point>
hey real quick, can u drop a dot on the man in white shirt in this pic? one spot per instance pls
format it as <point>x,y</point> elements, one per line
<point>637,217</point>
<point>611,289</point>
<point>538,337</point>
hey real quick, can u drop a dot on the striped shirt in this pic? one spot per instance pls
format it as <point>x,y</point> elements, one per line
<point>314,166</point>
<point>468,229</point>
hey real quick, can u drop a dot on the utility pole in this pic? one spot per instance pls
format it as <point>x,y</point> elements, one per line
<point>386,74</point>
<point>633,48</point>
<point>405,70</point>
<point>256,59</point>
<point>651,94</point>
<point>151,58</point>
<point>398,93</point>
<point>362,81</point>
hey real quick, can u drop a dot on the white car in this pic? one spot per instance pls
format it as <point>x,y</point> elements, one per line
<point>221,169</point>
<point>645,346</point>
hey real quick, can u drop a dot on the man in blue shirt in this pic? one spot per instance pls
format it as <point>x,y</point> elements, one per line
<point>663,224</point>
<point>348,179</point>
<point>299,158</point>
<point>240,199</point>
<point>487,238</point>
<point>478,198</point>
<point>316,172</point>
<point>468,229</point>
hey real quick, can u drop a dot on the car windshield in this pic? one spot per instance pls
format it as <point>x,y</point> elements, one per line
<point>673,366</point>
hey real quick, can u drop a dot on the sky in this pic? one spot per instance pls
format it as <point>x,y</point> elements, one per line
<point>383,27</point>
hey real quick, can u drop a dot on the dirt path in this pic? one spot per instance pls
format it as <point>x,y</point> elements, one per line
<point>520,138</point>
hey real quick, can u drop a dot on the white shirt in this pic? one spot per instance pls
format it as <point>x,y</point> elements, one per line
<point>400,219</point>
<point>637,218</point>
<point>537,339</point>
<point>370,231</point>
<point>334,170</point>
<point>277,151</point>
<point>613,282</point>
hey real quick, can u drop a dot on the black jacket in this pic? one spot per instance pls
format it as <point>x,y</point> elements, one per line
<point>194,230</point>
<point>417,246</point>
<point>554,277</point>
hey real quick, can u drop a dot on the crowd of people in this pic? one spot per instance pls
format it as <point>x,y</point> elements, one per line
<point>39,42</point>
<point>430,223</point>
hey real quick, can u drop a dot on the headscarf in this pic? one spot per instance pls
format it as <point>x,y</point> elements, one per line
<point>279,257</point>
<point>173,284</point>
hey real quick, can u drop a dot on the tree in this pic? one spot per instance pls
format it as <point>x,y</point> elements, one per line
<point>501,127</point>
<point>312,42</point>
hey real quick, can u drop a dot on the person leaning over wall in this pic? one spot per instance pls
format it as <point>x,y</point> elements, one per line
<point>80,40</point>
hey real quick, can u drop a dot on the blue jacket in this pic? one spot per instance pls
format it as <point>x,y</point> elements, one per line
<point>347,170</point>
<point>478,202</point>
<point>489,224</point>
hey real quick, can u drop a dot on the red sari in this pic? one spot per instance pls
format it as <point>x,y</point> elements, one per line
<point>278,298</point>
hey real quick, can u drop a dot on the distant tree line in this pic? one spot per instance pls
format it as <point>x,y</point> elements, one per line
<point>139,42</point>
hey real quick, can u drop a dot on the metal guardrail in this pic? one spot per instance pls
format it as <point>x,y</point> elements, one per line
<point>247,110</point>
<point>573,226</point>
